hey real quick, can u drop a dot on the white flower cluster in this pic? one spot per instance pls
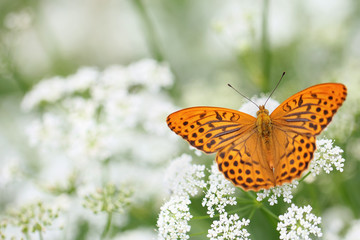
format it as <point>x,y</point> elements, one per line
<point>92,117</point>
<point>276,192</point>
<point>89,114</point>
<point>173,218</point>
<point>108,199</point>
<point>326,157</point>
<point>98,127</point>
<point>218,193</point>
<point>30,219</point>
<point>229,227</point>
<point>184,178</point>
<point>298,223</point>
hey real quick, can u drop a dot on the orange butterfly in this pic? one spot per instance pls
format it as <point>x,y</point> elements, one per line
<point>266,151</point>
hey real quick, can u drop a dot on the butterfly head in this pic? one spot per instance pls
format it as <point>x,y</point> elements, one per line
<point>262,110</point>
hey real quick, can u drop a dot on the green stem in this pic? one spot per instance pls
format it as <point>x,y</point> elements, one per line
<point>198,234</point>
<point>27,236</point>
<point>303,178</point>
<point>270,213</point>
<point>266,57</point>
<point>10,66</point>
<point>149,30</point>
<point>107,226</point>
<point>40,235</point>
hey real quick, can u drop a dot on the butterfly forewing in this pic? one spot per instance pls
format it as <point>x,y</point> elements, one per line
<point>311,110</point>
<point>209,128</point>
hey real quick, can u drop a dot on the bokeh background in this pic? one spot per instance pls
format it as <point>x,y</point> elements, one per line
<point>203,45</point>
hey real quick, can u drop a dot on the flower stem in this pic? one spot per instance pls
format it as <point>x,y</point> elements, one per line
<point>303,178</point>
<point>149,30</point>
<point>107,226</point>
<point>40,235</point>
<point>268,212</point>
<point>266,57</point>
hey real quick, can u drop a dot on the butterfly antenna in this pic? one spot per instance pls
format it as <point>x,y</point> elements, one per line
<point>242,95</point>
<point>274,88</point>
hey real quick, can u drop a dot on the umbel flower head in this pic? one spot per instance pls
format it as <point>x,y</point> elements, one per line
<point>219,193</point>
<point>184,178</point>
<point>276,192</point>
<point>31,218</point>
<point>327,157</point>
<point>299,223</point>
<point>108,199</point>
<point>173,218</point>
<point>229,227</point>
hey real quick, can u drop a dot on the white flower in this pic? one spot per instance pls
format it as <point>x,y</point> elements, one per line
<point>229,227</point>
<point>49,91</point>
<point>173,218</point>
<point>218,193</point>
<point>326,157</point>
<point>32,218</point>
<point>196,151</point>
<point>96,115</point>
<point>82,80</point>
<point>151,74</point>
<point>109,198</point>
<point>298,223</point>
<point>184,178</point>
<point>278,191</point>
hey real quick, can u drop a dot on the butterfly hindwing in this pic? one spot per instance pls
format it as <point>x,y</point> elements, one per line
<point>292,153</point>
<point>209,128</point>
<point>243,163</point>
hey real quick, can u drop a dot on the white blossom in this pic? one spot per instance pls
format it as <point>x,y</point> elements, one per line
<point>218,193</point>
<point>228,228</point>
<point>151,74</point>
<point>299,223</point>
<point>184,178</point>
<point>326,157</point>
<point>30,219</point>
<point>96,115</point>
<point>279,191</point>
<point>173,218</point>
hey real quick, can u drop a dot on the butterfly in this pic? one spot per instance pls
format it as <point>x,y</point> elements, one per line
<point>266,151</point>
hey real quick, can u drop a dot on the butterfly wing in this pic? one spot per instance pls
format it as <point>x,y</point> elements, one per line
<point>297,121</point>
<point>209,129</point>
<point>233,135</point>
<point>244,163</point>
